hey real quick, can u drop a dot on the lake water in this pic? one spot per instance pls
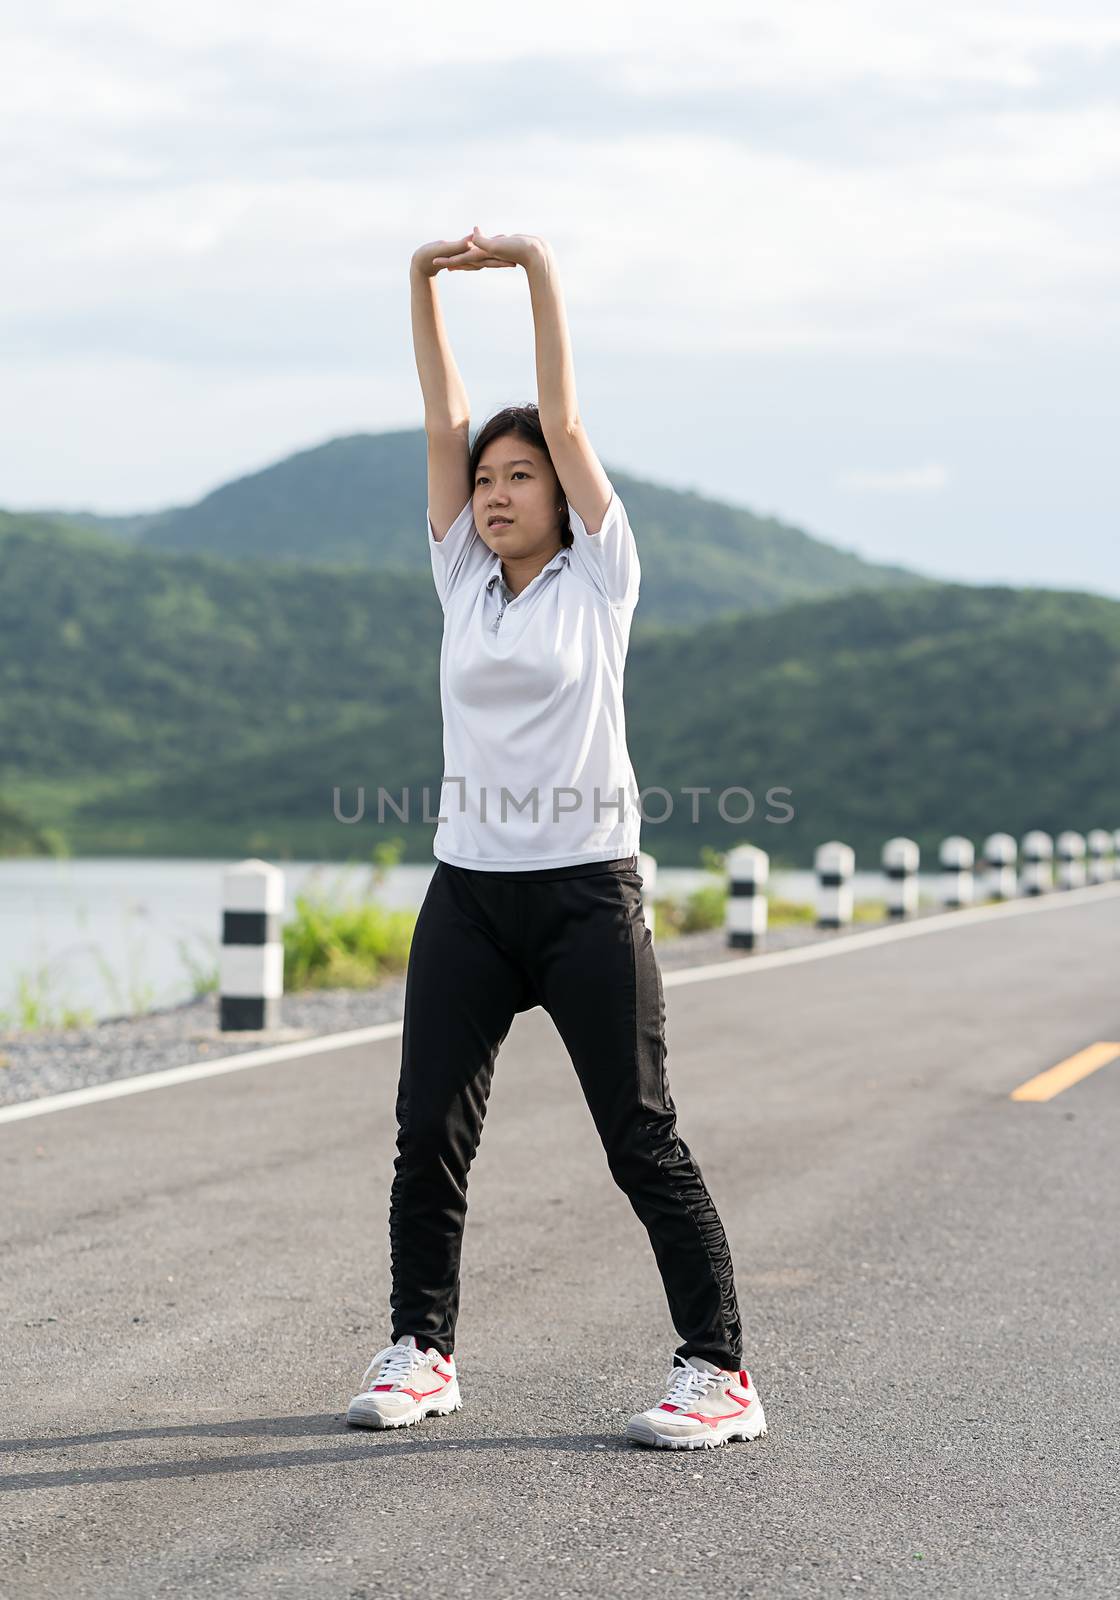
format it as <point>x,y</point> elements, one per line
<point>117,936</point>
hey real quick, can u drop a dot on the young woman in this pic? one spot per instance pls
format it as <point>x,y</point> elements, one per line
<point>535,899</point>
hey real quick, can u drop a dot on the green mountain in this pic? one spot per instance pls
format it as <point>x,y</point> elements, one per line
<point>116,660</point>
<point>186,705</point>
<point>361,500</point>
<point>921,712</point>
<point>130,527</point>
<point>20,836</point>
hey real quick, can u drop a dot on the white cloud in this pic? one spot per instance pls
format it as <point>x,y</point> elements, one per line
<point>205,205</point>
<point>818,177</point>
<point>929,479</point>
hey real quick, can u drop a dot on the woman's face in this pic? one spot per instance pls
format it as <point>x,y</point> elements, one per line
<point>517,482</point>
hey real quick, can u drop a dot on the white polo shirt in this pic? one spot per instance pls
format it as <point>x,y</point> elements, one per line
<point>536,769</point>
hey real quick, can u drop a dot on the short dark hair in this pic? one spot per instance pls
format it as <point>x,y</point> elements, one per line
<point>525,422</point>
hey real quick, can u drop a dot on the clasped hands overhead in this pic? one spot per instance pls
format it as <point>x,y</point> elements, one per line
<point>476,249</point>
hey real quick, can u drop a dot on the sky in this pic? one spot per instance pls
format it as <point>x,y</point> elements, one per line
<point>849,264</point>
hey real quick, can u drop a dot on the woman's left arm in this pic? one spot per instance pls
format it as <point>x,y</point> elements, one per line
<point>577,466</point>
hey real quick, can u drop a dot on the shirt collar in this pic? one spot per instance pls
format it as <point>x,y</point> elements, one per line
<point>496,563</point>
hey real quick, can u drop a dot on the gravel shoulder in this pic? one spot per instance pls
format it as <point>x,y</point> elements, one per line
<point>53,1061</point>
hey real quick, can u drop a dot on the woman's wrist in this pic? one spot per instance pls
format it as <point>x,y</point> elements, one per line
<point>540,260</point>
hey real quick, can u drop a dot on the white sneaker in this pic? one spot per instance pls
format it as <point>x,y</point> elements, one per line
<point>402,1384</point>
<point>704,1406</point>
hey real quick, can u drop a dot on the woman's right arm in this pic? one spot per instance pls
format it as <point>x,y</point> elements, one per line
<point>447,413</point>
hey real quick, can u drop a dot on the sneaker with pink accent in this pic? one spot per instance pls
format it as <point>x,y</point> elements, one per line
<point>402,1384</point>
<point>704,1406</point>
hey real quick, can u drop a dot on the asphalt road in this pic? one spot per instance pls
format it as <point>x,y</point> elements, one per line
<point>194,1279</point>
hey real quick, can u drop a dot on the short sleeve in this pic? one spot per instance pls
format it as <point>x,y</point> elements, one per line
<point>609,558</point>
<point>458,554</point>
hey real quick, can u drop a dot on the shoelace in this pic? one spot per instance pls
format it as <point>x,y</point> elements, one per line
<point>394,1363</point>
<point>686,1383</point>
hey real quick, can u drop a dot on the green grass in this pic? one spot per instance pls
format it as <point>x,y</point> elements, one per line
<point>347,946</point>
<point>706,907</point>
<point>36,1009</point>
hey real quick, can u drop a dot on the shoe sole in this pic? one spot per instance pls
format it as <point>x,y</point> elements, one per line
<point>359,1416</point>
<point>641,1431</point>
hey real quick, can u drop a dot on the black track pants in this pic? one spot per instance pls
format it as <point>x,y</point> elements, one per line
<point>573,940</point>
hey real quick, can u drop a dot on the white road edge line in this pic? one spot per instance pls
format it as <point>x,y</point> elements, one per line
<point>846,944</point>
<point>240,1062</point>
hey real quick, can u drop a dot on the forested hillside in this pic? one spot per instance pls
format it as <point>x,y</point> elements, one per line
<point>361,500</point>
<point>181,704</point>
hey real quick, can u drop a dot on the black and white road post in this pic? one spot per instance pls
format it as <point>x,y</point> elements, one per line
<point>835,864</point>
<point>1099,841</point>
<point>956,856</point>
<point>745,918</point>
<point>1037,876</point>
<point>647,866</point>
<point>1000,851</point>
<point>900,867</point>
<point>251,969</point>
<point>1070,849</point>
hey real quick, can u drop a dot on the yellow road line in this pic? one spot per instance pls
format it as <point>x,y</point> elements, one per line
<point>1047,1084</point>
